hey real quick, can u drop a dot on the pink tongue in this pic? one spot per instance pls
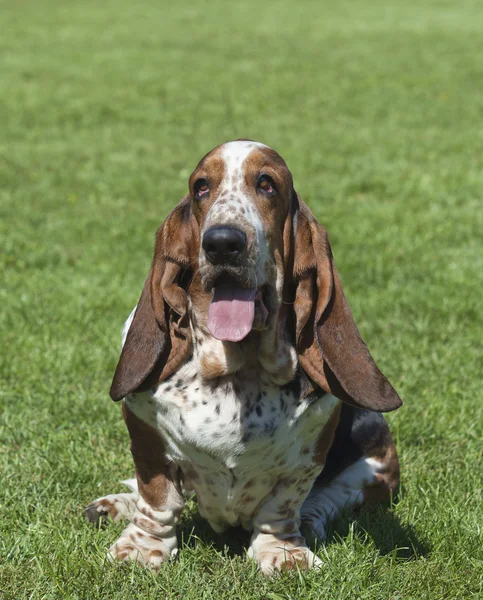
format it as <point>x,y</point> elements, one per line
<point>231,312</point>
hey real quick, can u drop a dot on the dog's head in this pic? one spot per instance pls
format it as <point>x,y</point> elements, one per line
<point>246,257</point>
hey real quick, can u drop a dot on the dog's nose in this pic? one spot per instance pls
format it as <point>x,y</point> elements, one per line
<point>223,245</point>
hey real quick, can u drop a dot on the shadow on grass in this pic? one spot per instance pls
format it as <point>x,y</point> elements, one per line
<point>233,542</point>
<point>384,528</point>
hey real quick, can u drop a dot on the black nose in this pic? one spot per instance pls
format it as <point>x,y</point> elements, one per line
<point>223,245</point>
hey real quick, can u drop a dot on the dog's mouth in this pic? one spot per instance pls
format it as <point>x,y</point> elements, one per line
<point>236,310</point>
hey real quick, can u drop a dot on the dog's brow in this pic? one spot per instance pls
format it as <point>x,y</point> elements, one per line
<point>234,154</point>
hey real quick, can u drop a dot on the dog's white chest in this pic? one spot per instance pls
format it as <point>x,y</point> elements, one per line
<point>234,437</point>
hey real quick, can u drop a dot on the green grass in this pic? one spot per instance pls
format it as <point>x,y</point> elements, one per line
<point>105,109</point>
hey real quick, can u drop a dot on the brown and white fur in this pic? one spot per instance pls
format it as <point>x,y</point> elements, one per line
<point>274,432</point>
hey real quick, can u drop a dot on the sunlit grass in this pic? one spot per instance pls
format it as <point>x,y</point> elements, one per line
<point>106,107</point>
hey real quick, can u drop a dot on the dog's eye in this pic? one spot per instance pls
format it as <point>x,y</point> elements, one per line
<point>201,188</point>
<point>265,184</point>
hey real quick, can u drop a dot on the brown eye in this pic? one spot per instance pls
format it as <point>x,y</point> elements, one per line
<point>201,188</point>
<point>265,184</point>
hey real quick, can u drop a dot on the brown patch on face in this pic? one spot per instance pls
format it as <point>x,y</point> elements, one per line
<point>212,168</point>
<point>326,437</point>
<point>152,467</point>
<point>386,480</point>
<point>274,208</point>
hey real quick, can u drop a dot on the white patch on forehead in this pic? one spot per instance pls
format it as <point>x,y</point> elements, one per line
<point>234,155</point>
<point>235,206</point>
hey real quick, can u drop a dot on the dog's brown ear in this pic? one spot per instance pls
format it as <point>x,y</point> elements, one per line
<point>330,348</point>
<point>159,338</point>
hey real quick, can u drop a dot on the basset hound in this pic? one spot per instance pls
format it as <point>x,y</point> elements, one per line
<point>243,376</point>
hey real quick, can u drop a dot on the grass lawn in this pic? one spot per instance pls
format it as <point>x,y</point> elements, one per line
<point>105,108</point>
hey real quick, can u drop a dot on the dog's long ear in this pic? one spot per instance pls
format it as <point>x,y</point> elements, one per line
<point>159,338</point>
<point>330,348</point>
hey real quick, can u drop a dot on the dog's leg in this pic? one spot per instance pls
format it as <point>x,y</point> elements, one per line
<point>150,538</point>
<point>277,543</point>
<point>361,468</point>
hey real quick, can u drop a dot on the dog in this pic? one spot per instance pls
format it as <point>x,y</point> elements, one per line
<point>243,376</point>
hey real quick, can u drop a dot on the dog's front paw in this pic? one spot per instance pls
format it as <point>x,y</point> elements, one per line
<point>144,548</point>
<point>114,506</point>
<point>273,554</point>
